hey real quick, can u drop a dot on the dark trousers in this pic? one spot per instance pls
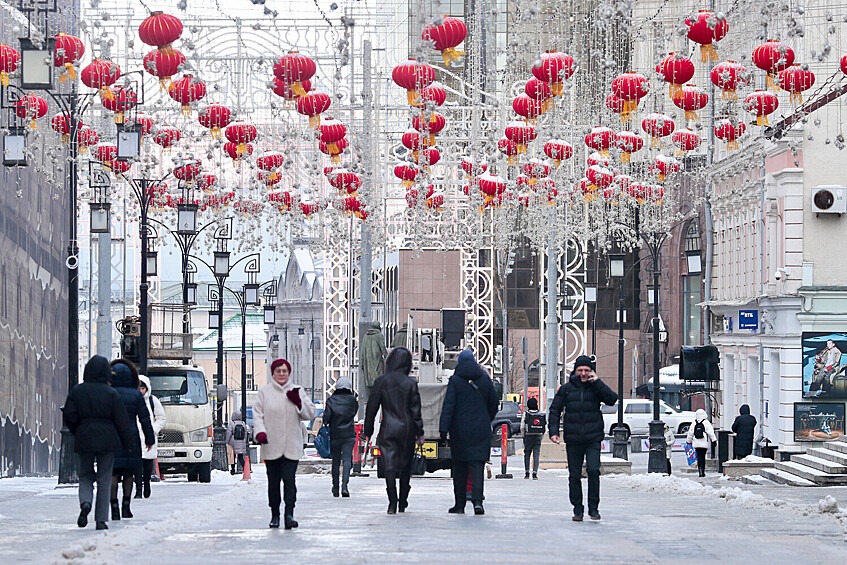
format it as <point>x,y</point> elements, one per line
<point>461,471</point>
<point>342,456</point>
<point>701,460</point>
<point>391,485</point>
<point>531,449</point>
<point>590,453</point>
<point>146,472</point>
<point>102,476</point>
<point>282,469</point>
<point>669,465</point>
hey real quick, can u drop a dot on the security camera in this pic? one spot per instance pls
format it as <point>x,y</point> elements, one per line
<point>778,274</point>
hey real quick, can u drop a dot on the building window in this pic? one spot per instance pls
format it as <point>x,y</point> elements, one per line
<point>692,290</point>
<point>215,380</point>
<point>250,384</point>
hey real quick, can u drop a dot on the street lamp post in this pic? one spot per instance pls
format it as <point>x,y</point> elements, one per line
<point>657,460</point>
<point>301,331</point>
<point>616,270</point>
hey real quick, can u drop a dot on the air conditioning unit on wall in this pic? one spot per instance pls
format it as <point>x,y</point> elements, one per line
<point>829,199</point>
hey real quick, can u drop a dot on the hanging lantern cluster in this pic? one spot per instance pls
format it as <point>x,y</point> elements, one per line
<point>446,36</point>
<point>10,60</point>
<point>31,107</point>
<point>121,99</point>
<point>160,30</point>
<point>239,135</point>
<point>215,117</point>
<point>67,52</point>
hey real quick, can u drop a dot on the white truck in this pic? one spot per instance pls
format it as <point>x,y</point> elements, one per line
<point>185,443</point>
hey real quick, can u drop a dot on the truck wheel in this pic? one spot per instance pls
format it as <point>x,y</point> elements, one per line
<point>683,428</point>
<point>204,473</point>
<point>192,473</point>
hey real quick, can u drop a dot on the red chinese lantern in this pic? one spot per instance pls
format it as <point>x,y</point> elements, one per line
<point>706,28</point>
<point>241,133</point>
<point>558,150</point>
<point>407,173</point>
<point>215,117</point>
<point>330,132</point>
<point>281,88</point>
<point>538,90</point>
<point>761,103</point>
<point>67,52</point>
<point>160,30</point>
<point>490,185</point>
<point>446,36</point>
<point>615,104</point>
<point>685,140</point>
<point>166,136</point>
<point>100,74</point>
<point>432,95</point>
<point>85,138</point>
<point>691,98</point>
<point>345,181</point>
<point>473,169</point>
<point>282,199</point>
<point>525,106</point>
<point>413,76</point>
<point>269,179</point>
<point>536,169</point>
<point>628,142</point>
<point>844,64</point>
<point>428,157</point>
<point>309,208</point>
<point>206,182</point>
<point>795,80</point>
<point>729,131</point>
<point>105,152</point>
<point>61,123</point>
<point>435,202</point>
<point>596,158</point>
<point>431,125</point>
<point>630,87</point>
<point>773,56</point>
<point>313,104</point>
<point>665,166</point>
<point>238,151</point>
<point>146,123</point>
<point>413,141</point>
<point>270,161</point>
<point>31,107</point>
<point>9,61</point>
<point>728,75</point>
<point>657,126</point>
<point>554,68</point>
<point>352,205</point>
<point>600,139</point>
<point>187,171</point>
<point>412,197</point>
<point>675,69</point>
<point>119,167</point>
<point>121,99</point>
<point>163,64</point>
<point>293,69</point>
<point>599,176</point>
<point>521,133</point>
<point>187,90</point>
<point>508,148</point>
<point>655,193</point>
<point>334,150</point>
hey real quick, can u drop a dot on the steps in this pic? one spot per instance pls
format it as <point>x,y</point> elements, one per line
<point>785,478</point>
<point>823,465</point>
<point>756,480</point>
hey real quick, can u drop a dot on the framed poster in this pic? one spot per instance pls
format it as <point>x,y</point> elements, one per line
<point>825,365</point>
<point>818,421</point>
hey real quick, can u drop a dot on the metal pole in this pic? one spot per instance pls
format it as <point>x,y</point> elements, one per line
<point>505,354</point>
<point>220,358</point>
<point>143,341</point>
<point>552,351</point>
<point>657,461</point>
<point>619,449</point>
<point>525,371</point>
<point>243,304</point>
<point>186,312</point>
<point>104,295</point>
<point>312,347</point>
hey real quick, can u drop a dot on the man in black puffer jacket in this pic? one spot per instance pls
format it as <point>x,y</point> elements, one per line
<point>580,399</point>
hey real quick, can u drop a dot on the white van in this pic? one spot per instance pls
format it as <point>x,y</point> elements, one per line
<point>185,443</point>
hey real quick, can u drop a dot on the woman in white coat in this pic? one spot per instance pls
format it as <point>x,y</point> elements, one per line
<point>157,419</point>
<point>277,412</point>
<point>701,435</point>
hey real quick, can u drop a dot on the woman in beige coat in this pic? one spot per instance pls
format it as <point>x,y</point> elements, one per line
<point>277,412</point>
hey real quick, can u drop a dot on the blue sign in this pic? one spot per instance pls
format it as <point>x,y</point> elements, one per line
<point>748,319</point>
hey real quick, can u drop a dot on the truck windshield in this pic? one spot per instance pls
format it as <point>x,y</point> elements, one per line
<point>188,387</point>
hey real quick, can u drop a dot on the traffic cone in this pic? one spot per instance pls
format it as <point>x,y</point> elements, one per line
<point>246,476</point>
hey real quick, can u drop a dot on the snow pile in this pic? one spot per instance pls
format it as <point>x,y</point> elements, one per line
<point>828,505</point>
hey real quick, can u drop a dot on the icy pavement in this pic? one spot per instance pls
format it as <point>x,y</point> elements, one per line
<point>646,519</point>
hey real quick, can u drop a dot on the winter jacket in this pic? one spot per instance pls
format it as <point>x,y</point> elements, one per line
<point>709,435</point>
<point>670,438</point>
<point>744,428</point>
<point>470,404</point>
<point>94,413</point>
<point>125,382</point>
<point>397,394</point>
<point>580,401</point>
<point>340,413</point>
<point>157,419</point>
<point>280,419</point>
<point>239,446</point>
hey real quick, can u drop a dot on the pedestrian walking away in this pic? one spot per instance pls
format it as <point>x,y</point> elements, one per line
<point>157,420</point>
<point>744,428</point>
<point>402,425</point>
<point>580,399</point>
<point>670,438</point>
<point>95,415</point>
<point>237,435</point>
<point>533,425</point>
<point>701,435</point>
<point>339,414</point>
<point>278,411</point>
<point>128,459</point>
<point>470,404</point>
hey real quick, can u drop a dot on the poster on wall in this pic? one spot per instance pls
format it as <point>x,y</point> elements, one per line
<point>818,421</point>
<point>825,365</point>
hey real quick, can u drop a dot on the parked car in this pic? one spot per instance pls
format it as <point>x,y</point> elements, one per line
<point>510,413</point>
<point>637,413</point>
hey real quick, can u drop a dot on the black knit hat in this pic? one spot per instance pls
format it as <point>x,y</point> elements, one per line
<point>584,361</point>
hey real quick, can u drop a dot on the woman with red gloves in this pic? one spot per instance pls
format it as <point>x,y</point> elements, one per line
<point>277,412</point>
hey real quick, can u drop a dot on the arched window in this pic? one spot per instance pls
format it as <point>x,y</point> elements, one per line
<point>692,286</point>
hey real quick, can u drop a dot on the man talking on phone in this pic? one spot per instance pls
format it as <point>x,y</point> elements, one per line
<point>580,400</point>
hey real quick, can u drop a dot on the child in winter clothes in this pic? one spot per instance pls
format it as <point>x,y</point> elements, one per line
<point>670,438</point>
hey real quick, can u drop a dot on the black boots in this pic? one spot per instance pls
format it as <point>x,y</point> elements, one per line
<point>478,509</point>
<point>345,493</point>
<point>335,491</point>
<point>290,522</point>
<point>102,526</point>
<point>84,509</point>
<point>146,489</point>
<point>232,469</point>
<point>274,521</point>
<point>116,510</point>
<point>125,511</point>
<point>456,509</point>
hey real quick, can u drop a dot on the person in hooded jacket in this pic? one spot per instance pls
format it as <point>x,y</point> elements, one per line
<point>701,444</point>
<point>744,428</point>
<point>670,438</point>
<point>580,399</point>
<point>402,424</point>
<point>470,405</point>
<point>128,458</point>
<point>95,415</point>
<point>239,446</point>
<point>531,441</point>
<point>339,414</point>
<point>157,420</point>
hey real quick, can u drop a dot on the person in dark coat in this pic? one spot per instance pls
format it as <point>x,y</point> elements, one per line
<point>128,458</point>
<point>580,399</point>
<point>95,415</point>
<point>402,424</point>
<point>744,427</point>
<point>339,414</point>
<point>470,404</point>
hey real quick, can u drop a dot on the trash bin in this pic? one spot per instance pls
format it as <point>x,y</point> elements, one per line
<point>254,453</point>
<point>723,448</point>
<point>768,452</point>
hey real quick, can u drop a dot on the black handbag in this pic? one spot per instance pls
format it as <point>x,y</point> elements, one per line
<point>418,464</point>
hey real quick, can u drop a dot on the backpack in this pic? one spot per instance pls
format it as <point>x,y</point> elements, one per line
<point>238,432</point>
<point>535,424</point>
<point>699,430</point>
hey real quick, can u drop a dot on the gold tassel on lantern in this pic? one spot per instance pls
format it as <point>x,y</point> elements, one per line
<point>119,118</point>
<point>332,148</point>
<point>674,90</point>
<point>604,153</point>
<point>450,54</point>
<point>691,116</point>
<point>708,53</point>
<point>240,149</point>
<point>548,105</point>
<point>408,183</point>
<point>729,95</point>
<point>655,142</point>
<point>732,145</point>
<point>70,73</point>
<point>762,120</point>
<point>164,83</point>
<point>186,110</point>
<point>107,93</point>
<point>412,97</point>
<point>4,79</point>
<point>557,87</point>
<point>629,108</point>
<point>521,148</point>
<point>770,83</point>
<point>216,133</point>
<point>626,157</point>
<point>315,121</point>
<point>796,98</point>
<point>298,89</point>
<point>512,160</point>
<point>335,159</point>
<point>32,124</point>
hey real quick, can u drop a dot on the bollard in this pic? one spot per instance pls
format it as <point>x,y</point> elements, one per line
<point>357,453</point>
<point>504,453</point>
